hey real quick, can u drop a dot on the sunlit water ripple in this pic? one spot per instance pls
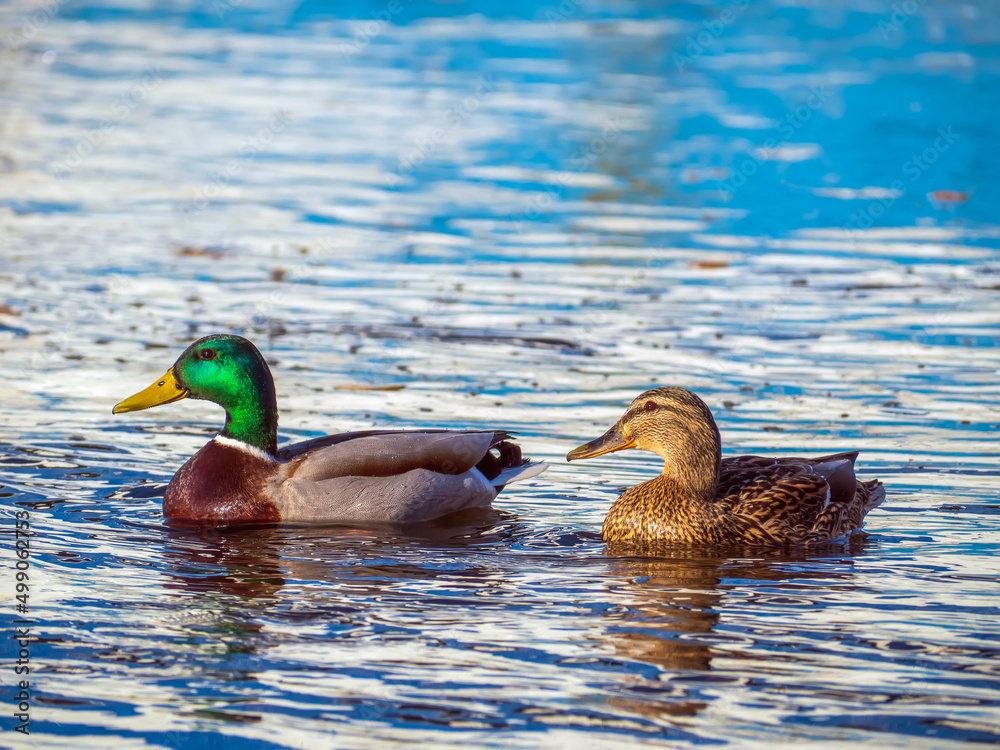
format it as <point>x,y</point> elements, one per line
<point>524,219</point>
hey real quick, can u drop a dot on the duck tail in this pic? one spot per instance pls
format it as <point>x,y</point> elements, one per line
<point>876,495</point>
<point>516,473</point>
<point>844,517</point>
<point>507,465</point>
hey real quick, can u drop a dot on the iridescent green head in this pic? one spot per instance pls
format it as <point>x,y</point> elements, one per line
<point>230,371</point>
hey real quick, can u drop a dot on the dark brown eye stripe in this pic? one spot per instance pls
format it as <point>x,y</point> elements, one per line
<point>664,409</point>
<point>632,413</point>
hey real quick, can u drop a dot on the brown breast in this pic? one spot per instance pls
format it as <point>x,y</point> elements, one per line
<point>222,485</point>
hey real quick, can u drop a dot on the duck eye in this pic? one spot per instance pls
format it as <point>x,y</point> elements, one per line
<point>649,406</point>
<point>207,354</point>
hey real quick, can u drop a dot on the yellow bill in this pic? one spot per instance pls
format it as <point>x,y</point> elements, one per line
<point>614,439</point>
<point>163,391</point>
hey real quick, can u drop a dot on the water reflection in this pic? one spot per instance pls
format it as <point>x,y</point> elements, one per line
<point>244,564</point>
<point>584,231</point>
<point>311,594</point>
<point>256,562</point>
<point>672,620</point>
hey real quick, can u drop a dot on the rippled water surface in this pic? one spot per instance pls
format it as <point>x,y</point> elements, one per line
<point>523,215</point>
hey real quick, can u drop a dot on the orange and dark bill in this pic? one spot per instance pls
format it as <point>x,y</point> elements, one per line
<point>163,391</point>
<point>614,439</point>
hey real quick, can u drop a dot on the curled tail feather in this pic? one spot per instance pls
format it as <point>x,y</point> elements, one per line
<point>507,465</point>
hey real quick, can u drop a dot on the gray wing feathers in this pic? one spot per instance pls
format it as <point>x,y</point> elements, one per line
<point>390,477</point>
<point>386,455</point>
<point>414,496</point>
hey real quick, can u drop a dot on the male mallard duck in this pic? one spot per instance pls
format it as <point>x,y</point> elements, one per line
<point>701,498</point>
<point>240,477</point>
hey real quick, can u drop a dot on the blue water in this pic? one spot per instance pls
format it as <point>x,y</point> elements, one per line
<point>524,216</point>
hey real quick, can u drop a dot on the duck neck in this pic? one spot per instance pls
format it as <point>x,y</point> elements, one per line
<point>254,421</point>
<point>687,487</point>
<point>691,466</point>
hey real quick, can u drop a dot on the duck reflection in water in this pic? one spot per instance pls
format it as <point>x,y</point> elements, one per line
<point>662,621</point>
<point>238,585</point>
<point>675,606</point>
<point>256,562</point>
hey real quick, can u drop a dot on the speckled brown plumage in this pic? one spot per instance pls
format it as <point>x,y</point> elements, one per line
<point>743,501</point>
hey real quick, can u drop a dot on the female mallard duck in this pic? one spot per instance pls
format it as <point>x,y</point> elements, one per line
<point>240,477</point>
<point>701,498</point>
